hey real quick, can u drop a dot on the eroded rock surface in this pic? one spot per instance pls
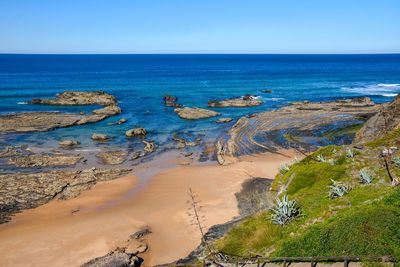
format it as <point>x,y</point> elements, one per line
<point>195,113</point>
<point>224,120</point>
<point>100,137</point>
<point>19,191</point>
<point>300,124</point>
<point>78,98</point>
<point>44,160</point>
<point>108,110</point>
<point>386,120</point>
<point>136,132</point>
<point>244,101</point>
<point>113,157</point>
<point>68,143</point>
<point>171,101</point>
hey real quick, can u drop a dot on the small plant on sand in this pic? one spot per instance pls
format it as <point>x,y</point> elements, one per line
<point>285,210</point>
<point>284,168</point>
<point>365,177</point>
<point>396,161</point>
<point>349,153</point>
<point>338,189</point>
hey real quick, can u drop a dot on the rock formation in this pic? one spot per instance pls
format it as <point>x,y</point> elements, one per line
<point>195,113</point>
<point>73,98</point>
<point>136,132</point>
<point>244,101</point>
<point>171,101</point>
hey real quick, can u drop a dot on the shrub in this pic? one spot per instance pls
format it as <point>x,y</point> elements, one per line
<point>284,168</point>
<point>365,177</point>
<point>349,153</point>
<point>284,211</point>
<point>338,189</point>
<point>396,161</point>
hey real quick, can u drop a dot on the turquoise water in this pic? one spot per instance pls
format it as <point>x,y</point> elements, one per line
<point>140,81</point>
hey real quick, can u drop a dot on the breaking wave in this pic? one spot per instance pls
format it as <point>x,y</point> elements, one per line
<point>381,89</point>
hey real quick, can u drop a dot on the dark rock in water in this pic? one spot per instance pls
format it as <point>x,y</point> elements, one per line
<point>149,147</point>
<point>142,232</point>
<point>195,113</point>
<point>100,137</point>
<point>113,157</point>
<point>171,101</point>
<point>19,191</point>
<point>44,160</point>
<point>182,142</point>
<point>44,121</point>
<point>78,98</point>
<point>122,121</point>
<point>244,101</point>
<point>136,132</point>
<point>224,120</point>
<point>386,120</point>
<point>254,196</point>
<point>68,143</point>
<point>266,91</point>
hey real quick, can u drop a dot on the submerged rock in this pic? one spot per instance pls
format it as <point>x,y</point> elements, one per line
<point>266,91</point>
<point>136,132</point>
<point>223,120</point>
<point>195,113</point>
<point>78,98</point>
<point>244,101</point>
<point>68,143</point>
<point>100,137</point>
<point>113,157</point>
<point>108,110</point>
<point>171,101</point>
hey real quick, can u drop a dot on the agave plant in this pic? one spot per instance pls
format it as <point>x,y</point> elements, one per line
<point>396,161</point>
<point>285,210</point>
<point>338,189</point>
<point>321,158</point>
<point>365,177</point>
<point>349,153</point>
<point>284,168</point>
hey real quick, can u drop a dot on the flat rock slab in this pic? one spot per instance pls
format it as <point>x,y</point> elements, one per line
<point>72,98</point>
<point>44,121</point>
<point>113,157</point>
<point>195,113</point>
<point>44,160</point>
<point>245,101</point>
<point>19,191</point>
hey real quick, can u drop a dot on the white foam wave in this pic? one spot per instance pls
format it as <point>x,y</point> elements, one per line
<point>382,89</point>
<point>274,98</point>
<point>22,103</point>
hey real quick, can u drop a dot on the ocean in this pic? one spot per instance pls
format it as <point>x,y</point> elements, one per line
<point>140,81</point>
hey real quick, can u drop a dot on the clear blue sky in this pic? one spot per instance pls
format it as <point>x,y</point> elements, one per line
<point>199,26</point>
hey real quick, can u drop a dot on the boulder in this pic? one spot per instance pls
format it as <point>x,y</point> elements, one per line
<point>100,137</point>
<point>149,147</point>
<point>195,113</point>
<point>244,101</point>
<point>68,143</point>
<point>136,132</point>
<point>122,121</point>
<point>224,120</point>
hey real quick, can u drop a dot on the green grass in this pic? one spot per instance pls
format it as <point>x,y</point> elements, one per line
<point>364,222</point>
<point>350,130</point>
<point>388,140</point>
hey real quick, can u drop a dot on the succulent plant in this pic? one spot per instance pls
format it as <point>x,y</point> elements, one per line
<point>321,158</point>
<point>349,153</point>
<point>396,161</point>
<point>284,168</point>
<point>284,211</point>
<point>338,189</point>
<point>365,177</point>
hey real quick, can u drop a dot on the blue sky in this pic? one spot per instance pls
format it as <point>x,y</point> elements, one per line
<point>199,26</point>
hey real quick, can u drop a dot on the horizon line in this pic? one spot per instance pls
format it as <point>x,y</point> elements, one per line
<point>199,53</point>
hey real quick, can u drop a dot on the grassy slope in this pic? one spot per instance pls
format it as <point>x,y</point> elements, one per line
<point>364,222</point>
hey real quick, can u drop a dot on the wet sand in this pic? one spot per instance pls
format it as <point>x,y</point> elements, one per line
<point>72,232</point>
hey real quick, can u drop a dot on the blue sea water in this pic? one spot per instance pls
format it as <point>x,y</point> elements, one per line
<point>140,81</point>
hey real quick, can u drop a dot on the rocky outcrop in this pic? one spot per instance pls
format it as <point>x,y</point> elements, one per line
<point>171,101</point>
<point>113,157</point>
<point>224,120</point>
<point>149,147</point>
<point>72,98</point>
<point>301,124</point>
<point>266,91</point>
<point>244,101</point>
<point>14,151</point>
<point>44,121</point>
<point>108,110</point>
<point>182,142</point>
<point>44,160</point>
<point>195,113</point>
<point>136,132</point>
<point>68,143</point>
<point>19,191</point>
<point>100,137</point>
<point>386,120</point>
<point>119,122</point>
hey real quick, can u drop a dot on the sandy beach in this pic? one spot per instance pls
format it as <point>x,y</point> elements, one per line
<point>72,232</point>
